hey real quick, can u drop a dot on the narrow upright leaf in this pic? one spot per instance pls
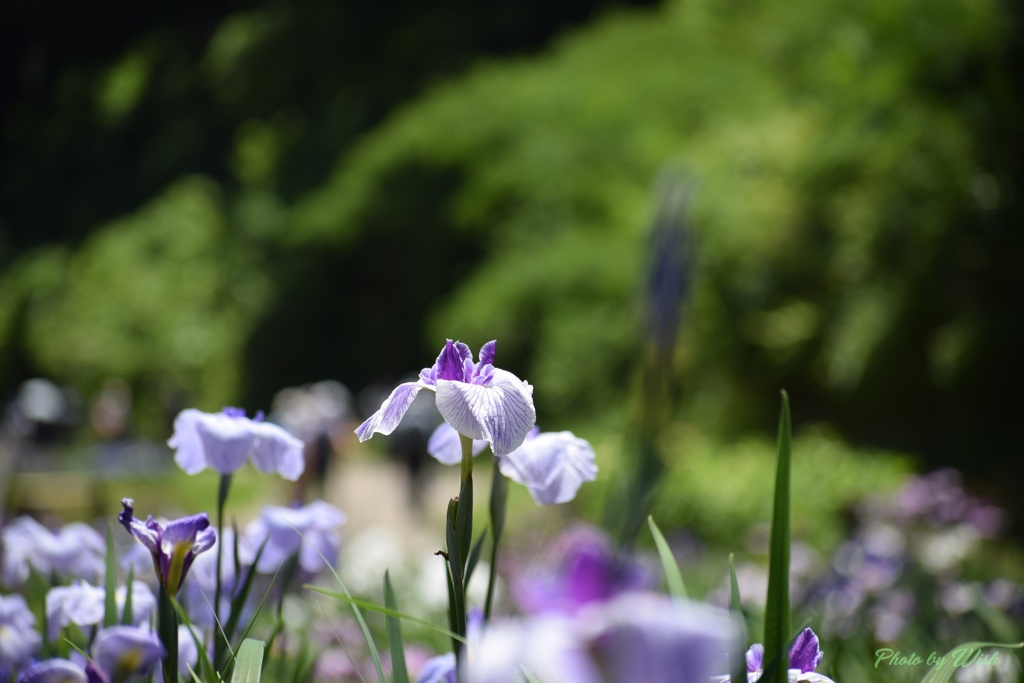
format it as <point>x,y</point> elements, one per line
<point>735,604</point>
<point>249,662</point>
<point>399,674</point>
<point>110,583</point>
<point>127,615</point>
<point>673,577</point>
<point>777,608</point>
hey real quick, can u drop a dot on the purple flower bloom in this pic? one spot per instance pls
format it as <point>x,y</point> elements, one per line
<point>53,671</point>
<point>804,657</point>
<point>224,441</point>
<point>552,465</point>
<point>478,400</point>
<point>439,669</point>
<point>174,546</point>
<point>83,605</point>
<point>77,551</point>
<point>19,638</point>
<point>121,652</point>
<point>588,572</point>
<point>310,531</point>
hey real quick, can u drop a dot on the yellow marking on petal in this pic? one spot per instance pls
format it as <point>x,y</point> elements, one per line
<point>176,567</point>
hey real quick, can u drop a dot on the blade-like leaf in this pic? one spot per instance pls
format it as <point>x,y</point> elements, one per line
<point>673,578</point>
<point>530,678</point>
<point>249,663</point>
<point>739,665</point>
<point>110,582</point>
<point>474,556</point>
<point>399,674</point>
<point>960,656</point>
<point>204,657</point>
<point>127,615</point>
<point>777,608</point>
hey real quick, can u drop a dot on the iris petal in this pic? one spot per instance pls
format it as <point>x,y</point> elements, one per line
<point>391,411</point>
<point>277,451</point>
<point>501,413</point>
<point>227,441</point>
<point>445,446</point>
<point>553,466</point>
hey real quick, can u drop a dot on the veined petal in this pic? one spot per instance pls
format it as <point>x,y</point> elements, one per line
<point>487,352</point>
<point>278,451</point>
<point>446,447</point>
<point>501,413</point>
<point>451,362</point>
<point>553,466</point>
<point>391,411</point>
<point>804,654</point>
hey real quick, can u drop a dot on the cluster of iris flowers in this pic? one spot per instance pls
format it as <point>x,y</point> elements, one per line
<point>594,618</point>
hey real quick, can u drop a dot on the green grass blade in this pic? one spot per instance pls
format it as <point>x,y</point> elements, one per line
<point>530,678</point>
<point>777,608</point>
<point>399,674</point>
<point>959,657</point>
<point>474,556</point>
<point>673,577</point>
<point>110,582</point>
<point>739,667</point>
<point>249,663</point>
<point>127,615</point>
<point>209,673</point>
<point>373,607</point>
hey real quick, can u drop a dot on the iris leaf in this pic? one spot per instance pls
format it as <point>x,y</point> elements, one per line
<point>777,608</point>
<point>249,663</point>
<point>673,577</point>
<point>399,674</point>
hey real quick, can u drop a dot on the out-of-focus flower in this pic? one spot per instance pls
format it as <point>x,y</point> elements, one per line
<point>121,652</point>
<point>75,551</point>
<point>224,441</point>
<point>19,637</point>
<point>440,669</point>
<point>83,604</point>
<point>635,638</point>
<point>588,571</point>
<point>174,546</point>
<point>478,400</point>
<point>197,595</point>
<point>551,465</point>
<point>53,671</point>
<point>310,531</point>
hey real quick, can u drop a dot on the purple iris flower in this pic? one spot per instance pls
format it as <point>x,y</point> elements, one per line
<point>551,465</point>
<point>19,638</point>
<point>54,671</point>
<point>121,652</point>
<point>83,604</point>
<point>173,546</point>
<point>804,657</point>
<point>478,400</point>
<point>224,441</point>
<point>311,531</point>
<point>589,571</point>
<point>77,551</point>
<point>439,669</point>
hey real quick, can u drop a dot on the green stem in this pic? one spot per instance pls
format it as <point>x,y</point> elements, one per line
<point>499,501</point>
<point>167,629</point>
<point>220,644</point>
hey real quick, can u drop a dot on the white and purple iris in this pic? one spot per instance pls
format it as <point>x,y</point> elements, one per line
<point>804,657</point>
<point>478,400</point>
<point>173,546</point>
<point>75,551</point>
<point>19,637</point>
<point>551,465</point>
<point>224,441</point>
<point>310,531</point>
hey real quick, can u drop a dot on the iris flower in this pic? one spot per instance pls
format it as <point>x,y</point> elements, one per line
<point>804,657</point>
<point>224,441</point>
<point>19,637</point>
<point>552,465</point>
<point>477,399</point>
<point>311,531</point>
<point>77,551</point>
<point>53,671</point>
<point>173,546</point>
<point>121,652</point>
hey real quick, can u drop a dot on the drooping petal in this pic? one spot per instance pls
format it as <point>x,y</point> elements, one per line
<point>804,653</point>
<point>146,534</point>
<point>227,441</point>
<point>278,451</point>
<point>446,447</point>
<point>185,440</point>
<point>501,413</point>
<point>552,466</point>
<point>391,411</point>
<point>53,671</point>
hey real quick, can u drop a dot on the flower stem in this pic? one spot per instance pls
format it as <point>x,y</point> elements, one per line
<point>499,501</point>
<point>221,645</point>
<point>167,630</point>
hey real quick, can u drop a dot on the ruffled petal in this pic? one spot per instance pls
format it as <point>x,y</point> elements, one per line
<point>275,450</point>
<point>446,447</point>
<point>552,466</point>
<point>501,413</point>
<point>391,411</point>
<point>188,446</point>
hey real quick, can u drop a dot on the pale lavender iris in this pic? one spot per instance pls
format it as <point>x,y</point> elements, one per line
<point>54,671</point>
<point>587,571</point>
<point>311,531</point>
<point>121,652</point>
<point>224,441</point>
<point>83,605</point>
<point>174,546</point>
<point>477,399</point>
<point>76,551</point>
<point>551,465</point>
<point>440,669</point>
<point>19,638</point>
